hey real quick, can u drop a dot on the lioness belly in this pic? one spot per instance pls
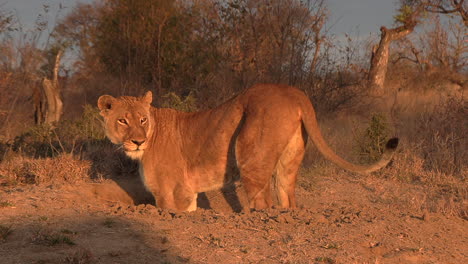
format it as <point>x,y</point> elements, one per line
<point>213,179</point>
<point>215,175</point>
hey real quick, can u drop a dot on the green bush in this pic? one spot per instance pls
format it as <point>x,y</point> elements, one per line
<point>187,104</point>
<point>87,128</point>
<point>370,143</point>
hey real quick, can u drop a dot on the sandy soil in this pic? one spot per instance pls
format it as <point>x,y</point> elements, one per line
<point>342,219</point>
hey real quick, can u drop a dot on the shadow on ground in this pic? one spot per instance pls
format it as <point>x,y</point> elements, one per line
<point>72,239</point>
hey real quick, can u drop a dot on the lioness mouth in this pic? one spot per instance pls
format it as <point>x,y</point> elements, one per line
<point>135,154</point>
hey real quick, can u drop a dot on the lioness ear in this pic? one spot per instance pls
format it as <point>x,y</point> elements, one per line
<point>147,98</point>
<point>105,103</point>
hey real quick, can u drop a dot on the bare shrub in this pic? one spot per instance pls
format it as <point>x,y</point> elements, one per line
<point>15,103</point>
<point>442,133</point>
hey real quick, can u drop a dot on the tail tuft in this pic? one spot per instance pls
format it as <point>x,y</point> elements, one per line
<point>392,144</point>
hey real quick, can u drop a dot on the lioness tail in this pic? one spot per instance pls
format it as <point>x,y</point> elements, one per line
<point>313,130</point>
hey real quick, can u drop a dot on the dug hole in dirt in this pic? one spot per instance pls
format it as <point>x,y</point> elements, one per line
<point>343,218</point>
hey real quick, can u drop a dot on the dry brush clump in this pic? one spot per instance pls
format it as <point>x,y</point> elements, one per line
<point>99,161</point>
<point>45,154</point>
<point>61,169</point>
<point>67,136</point>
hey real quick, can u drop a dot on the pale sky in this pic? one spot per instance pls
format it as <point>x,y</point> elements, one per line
<point>367,16</point>
<point>28,10</point>
<point>346,16</point>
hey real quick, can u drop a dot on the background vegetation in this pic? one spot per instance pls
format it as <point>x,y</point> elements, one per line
<point>196,54</point>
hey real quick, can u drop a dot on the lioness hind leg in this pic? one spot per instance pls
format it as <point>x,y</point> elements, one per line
<point>287,168</point>
<point>262,139</point>
<point>286,176</point>
<point>256,165</point>
<point>256,168</point>
<point>258,193</point>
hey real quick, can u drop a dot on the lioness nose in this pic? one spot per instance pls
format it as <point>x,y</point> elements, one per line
<point>138,142</point>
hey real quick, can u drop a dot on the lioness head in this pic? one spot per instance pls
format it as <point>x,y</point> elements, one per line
<point>127,122</point>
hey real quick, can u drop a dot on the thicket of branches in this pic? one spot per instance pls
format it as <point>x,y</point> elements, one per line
<point>212,49</point>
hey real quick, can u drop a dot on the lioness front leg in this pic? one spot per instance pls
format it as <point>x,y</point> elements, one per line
<point>163,196</point>
<point>165,202</point>
<point>185,198</point>
<point>180,199</point>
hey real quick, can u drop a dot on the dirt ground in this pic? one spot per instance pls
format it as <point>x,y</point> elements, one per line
<point>342,218</point>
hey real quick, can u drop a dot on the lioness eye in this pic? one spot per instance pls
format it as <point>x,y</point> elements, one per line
<point>122,121</point>
<point>143,120</point>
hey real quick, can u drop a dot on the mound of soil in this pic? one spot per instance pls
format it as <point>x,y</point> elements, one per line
<point>342,219</point>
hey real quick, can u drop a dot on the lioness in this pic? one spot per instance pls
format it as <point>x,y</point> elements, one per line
<point>260,132</point>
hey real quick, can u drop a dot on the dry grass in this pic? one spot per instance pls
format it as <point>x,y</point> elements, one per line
<point>46,237</point>
<point>98,160</point>
<point>5,231</point>
<point>440,192</point>
<point>433,152</point>
<point>63,168</point>
<point>80,256</point>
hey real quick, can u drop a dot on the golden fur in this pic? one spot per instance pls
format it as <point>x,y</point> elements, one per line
<point>260,132</point>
